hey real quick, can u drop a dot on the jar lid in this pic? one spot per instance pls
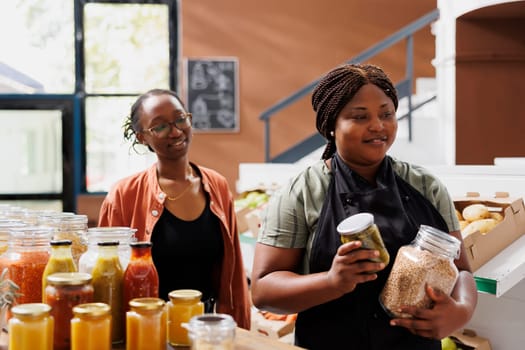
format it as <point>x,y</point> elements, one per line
<point>146,304</point>
<point>355,223</point>
<point>108,243</point>
<point>60,242</point>
<point>141,244</point>
<point>68,278</point>
<point>92,309</point>
<point>31,309</point>
<point>185,294</point>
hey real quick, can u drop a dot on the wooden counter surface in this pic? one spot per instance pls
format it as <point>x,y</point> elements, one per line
<point>244,340</point>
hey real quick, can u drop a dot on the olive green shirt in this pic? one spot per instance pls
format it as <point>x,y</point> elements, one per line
<point>291,217</point>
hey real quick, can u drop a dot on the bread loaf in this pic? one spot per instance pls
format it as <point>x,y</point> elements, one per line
<point>482,225</point>
<point>475,212</point>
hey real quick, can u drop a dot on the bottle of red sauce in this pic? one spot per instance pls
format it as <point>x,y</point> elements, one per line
<point>141,279</point>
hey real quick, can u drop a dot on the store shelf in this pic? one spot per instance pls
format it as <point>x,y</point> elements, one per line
<point>503,271</point>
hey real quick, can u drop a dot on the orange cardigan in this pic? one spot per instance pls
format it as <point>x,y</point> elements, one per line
<point>137,202</point>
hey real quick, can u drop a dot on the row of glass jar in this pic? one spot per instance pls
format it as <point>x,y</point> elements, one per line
<point>149,325</point>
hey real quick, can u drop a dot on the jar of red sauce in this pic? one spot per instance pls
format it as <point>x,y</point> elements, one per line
<point>64,291</point>
<point>26,258</point>
<point>141,279</point>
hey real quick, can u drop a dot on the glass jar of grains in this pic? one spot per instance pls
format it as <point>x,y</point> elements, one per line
<point>428,260</point>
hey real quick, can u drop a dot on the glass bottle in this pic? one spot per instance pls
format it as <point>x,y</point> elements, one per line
<point>124,235</point>
<point>64,291</point>
<point>107,283</point>
<point>212,332</point>
<point>91,327</point>
<point>427,260</point>
<point>140,278</point>
<point>31,327</point>
<point>183,305</point>
<point>146,324</point>
<point>26,258</point>
<point>60,260</point>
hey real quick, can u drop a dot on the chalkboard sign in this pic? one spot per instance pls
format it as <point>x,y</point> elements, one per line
<point>212,94</point>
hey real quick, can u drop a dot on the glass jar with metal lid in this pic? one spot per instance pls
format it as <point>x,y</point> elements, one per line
<point>31,327</point>
<point>361,227</point>
<point>146,324</point>
<point>89,319</point>
<point>183,305</point>
<point>64,291</point>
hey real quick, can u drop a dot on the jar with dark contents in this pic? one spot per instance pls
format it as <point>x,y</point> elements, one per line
<point>428,260</point>
<point>361,227</point>
<point>64,291</point>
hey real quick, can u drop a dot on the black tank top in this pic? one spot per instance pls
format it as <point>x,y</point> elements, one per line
<point>188,254</point>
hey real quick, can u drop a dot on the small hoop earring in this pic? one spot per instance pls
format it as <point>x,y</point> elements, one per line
<point>332,133</point>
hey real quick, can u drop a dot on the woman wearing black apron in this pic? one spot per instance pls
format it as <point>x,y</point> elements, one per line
<point>300,265</point>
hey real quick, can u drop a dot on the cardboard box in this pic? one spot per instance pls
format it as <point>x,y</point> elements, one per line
<point>467,339</point>
<point>481,248</point>
<point>270,328</point>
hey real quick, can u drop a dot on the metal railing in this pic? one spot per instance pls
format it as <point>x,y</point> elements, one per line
<point>404,89</point>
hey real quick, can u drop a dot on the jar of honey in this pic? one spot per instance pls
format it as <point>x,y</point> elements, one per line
<point>91,327</point>
<point>183,305</point>
<point>146,324</point>
<point>64,291</point>
<point>31,327</point>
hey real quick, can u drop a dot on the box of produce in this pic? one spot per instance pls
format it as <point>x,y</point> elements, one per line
<point>466,339</point>
<point>247,209</point>
<point>489,225</point>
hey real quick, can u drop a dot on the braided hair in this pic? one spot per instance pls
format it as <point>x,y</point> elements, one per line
<point>132,125</point>
<point>337,88</point>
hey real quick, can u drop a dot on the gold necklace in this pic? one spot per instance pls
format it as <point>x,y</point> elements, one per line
<point>180,194</point>
<point>185,189</point>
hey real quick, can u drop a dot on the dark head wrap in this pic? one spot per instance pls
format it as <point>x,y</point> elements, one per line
<point>337,88</point>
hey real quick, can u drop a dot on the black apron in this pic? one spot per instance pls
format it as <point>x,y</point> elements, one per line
<point>357,320</point>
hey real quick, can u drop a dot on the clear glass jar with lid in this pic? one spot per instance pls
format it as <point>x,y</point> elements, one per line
<point>212,331</point>
<point>26,258</point>
<point>361,227</point>
<point>428,260</point>
<point>123,235</point>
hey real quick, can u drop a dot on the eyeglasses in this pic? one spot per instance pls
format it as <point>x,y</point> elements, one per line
<point>163,130</point>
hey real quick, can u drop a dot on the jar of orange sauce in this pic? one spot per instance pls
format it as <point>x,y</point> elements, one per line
<point>146,324</point>
<point>183,305</point>
<point>91,327</point>
<point>31,327</point>
<point>64,291</point>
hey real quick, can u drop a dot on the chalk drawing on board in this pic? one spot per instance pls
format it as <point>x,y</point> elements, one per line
<point>212,94</point>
